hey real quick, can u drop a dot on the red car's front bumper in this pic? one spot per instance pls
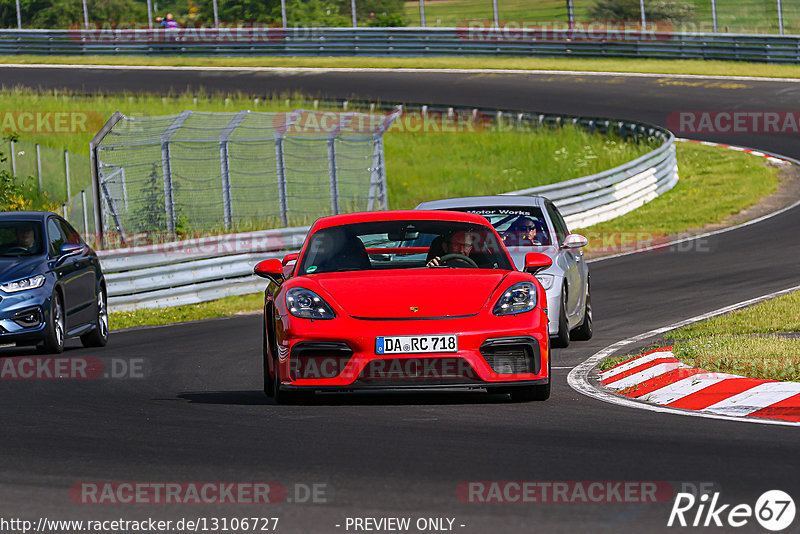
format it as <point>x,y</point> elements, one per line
<point>341,353</point>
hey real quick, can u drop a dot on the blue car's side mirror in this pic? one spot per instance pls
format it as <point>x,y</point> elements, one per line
<point>67,250</point>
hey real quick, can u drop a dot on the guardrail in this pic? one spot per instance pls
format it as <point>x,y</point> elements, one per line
<point>404,42</point>
<point>603,196</point>
<point>207,268</point>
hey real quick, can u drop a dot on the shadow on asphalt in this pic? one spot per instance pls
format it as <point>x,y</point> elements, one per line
<point>387,398</point>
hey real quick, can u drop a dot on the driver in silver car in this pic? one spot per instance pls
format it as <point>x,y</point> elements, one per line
<point>524,232</point>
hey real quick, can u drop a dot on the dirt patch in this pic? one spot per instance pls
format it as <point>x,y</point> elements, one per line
<point>787,193</point>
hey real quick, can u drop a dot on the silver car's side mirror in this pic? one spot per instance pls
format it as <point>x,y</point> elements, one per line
<point>575,241</point>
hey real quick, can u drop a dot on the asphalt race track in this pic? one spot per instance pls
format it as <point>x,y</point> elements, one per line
<point>197,413</point>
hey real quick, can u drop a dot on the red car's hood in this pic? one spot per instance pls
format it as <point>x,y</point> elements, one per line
<point>393,294</point>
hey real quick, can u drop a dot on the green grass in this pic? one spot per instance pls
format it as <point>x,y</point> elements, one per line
<point>781,314</point>
<point>743,342</point>
<point>224,307</point>
<point>742,16</point>
<point>420,166</point>
<point>714,184</point>
<point>656,66</point>
<point>771,358</point>
<point>426,167</point>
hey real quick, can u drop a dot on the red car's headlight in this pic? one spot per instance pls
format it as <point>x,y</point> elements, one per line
<point>519,298</point>
<point>306,304</point>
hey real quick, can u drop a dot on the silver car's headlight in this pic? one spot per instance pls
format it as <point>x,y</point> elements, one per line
<point>26,283</point>
<point>519,298</point>
<point>546,280</point>
<point>306,304</point>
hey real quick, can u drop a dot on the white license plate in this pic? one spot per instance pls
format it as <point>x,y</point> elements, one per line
<point>415,344</point>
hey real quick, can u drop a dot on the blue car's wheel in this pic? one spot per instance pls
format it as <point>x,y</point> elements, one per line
<point>56,327</point>
<point>98,337</point>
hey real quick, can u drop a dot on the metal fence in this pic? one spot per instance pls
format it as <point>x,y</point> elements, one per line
<point>479,41</point>
<point>741,16</point>
<point>202,172</point>
<point>206,268</point>
<point>58,173</point>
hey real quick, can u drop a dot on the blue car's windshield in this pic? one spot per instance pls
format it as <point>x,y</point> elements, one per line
<point>20,238</point>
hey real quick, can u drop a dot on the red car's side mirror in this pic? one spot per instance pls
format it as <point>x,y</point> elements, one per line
<point>271,269</point>
<point>536,261</point>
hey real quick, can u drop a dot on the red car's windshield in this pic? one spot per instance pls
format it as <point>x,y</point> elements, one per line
<point>402,245</point>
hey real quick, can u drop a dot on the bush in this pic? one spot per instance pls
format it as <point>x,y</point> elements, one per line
<point>21,194</point>
<point>667,10</point>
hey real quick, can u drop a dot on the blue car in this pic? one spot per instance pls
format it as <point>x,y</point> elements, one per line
<point>51,284</point>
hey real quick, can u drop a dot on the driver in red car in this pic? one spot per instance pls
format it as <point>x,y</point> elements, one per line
<point>461,242</point>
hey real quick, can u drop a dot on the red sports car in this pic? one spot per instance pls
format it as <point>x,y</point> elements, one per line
<point>404,299</point>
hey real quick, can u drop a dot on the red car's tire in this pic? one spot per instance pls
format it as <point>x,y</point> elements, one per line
<point>269,384</point>
<point>534,393</point>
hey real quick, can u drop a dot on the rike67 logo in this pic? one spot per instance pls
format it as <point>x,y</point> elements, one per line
<point>774,510</point>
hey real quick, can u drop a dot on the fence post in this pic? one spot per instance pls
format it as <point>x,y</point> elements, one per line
<point>281,171</point>
<point>496,16</point>
<point>780,17</point>
<point>283,13</point>
<point>714,14</point>
<point>644,17</point>
<point>570,15</point>
<point>332,175</point>
<point>224,161</point>
<point>280,164</point>
<point>85,213</point>
<point>19,17</point>
<point>353,12</point>
<point>97,188</point>
<point>150,14</point>
<point>39,166</point>
<point>13,158</point>
<point>166,167</point>
<point>66,172</point>
<point>422,13</point>
<point>375,181</point>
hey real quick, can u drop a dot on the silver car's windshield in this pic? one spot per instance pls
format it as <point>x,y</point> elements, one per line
<point>519,227</point>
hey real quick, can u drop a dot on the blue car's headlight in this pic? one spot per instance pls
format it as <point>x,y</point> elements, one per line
<point>306,304</point>
<point>518,298</point>
<point>26,283</point>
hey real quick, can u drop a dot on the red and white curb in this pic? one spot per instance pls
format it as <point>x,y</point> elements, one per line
<point>657,377</point>
<point>583,378</point>
<point>769,157</point>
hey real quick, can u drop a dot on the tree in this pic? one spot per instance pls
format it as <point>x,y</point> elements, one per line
<point>151,217</point>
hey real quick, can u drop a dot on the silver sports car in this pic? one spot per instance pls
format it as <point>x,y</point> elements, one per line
<point>533,224</point>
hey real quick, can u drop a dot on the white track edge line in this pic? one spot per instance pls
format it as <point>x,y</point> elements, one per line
<point>398,69</point>
<point>700,236</point>
<point>578,378</point>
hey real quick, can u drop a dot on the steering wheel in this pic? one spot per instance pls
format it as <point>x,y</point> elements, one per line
<point>458,257</point>
<point>17,249</point>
